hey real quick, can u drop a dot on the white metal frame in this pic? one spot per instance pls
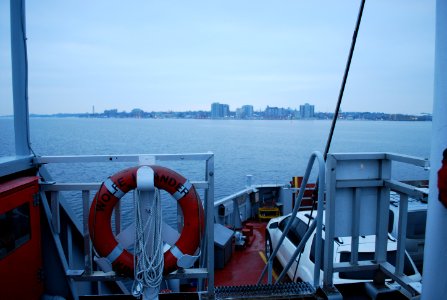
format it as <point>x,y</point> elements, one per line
<point>87,274</point>
<point>358,185</point>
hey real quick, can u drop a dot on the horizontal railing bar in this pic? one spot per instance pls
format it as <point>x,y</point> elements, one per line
<point>359,183</point>
<point>118,158</point>
<point>361,265</point>
<point>359,156</point>
<point>233,196</point>
<point>402,280</point>
<point>246,191</point>
<point>404,188</point>
<point>71,186</point>
<point>188,273</point>
<point>412,160</point>
<point>80,275</point>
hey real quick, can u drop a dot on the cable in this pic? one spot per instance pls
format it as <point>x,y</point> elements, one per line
<point>345,78</point>
<point>342,89</point>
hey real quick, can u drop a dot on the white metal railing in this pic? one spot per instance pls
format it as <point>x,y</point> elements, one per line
<point>358,186</point>
<point>53,214</point>
<point>241,206</point>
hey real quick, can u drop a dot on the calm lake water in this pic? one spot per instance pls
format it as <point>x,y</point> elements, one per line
<point>271,151</point>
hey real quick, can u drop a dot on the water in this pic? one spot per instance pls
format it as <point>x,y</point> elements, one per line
<point>271,151</point>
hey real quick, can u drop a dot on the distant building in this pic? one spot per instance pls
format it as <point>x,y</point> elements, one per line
<point>219,111</point>
<point>277,113</point>
<point>272,113</point>
<point>245,112</point>
<point>137,113</point>
<point>307,111</point>
<point>111,113</point>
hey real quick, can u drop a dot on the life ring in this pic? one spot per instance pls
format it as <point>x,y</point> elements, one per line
<point>114,188</point>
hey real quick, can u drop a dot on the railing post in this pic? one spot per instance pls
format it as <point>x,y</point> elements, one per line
<point>55,221</point>
<point>209,204</point>
<point>402,234</point>
<point>87,244</point>
<point>329,224</point>
<point>355,227</point>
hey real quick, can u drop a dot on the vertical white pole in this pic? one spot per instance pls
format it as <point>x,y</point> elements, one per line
<point>19,77</point>
<point>434,283</point>
<point>146,192</point>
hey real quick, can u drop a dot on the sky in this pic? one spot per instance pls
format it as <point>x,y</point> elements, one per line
<point>184,55</point>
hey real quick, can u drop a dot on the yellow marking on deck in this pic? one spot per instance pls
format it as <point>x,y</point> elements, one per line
<point>261,253</point>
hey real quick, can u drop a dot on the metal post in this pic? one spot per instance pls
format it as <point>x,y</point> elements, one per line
<point>383,208</point>
<point>87,247</point>
<point>209,202</point>
<point>331,167</point>
<point>19,77</point>
<point>55,221</point>
<point>435,258</point>
<point>355,227</point>
<point>402,234</point>
<point>319,234</point>
<point>145,194</point>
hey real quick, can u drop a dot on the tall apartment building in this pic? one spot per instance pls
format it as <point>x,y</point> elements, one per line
<point>219,110</point>
<point>307,111</point>
<point>245,112</point>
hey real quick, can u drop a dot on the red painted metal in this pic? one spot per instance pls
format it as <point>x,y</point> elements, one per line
<point>21,266</point>
<point>246,264</point>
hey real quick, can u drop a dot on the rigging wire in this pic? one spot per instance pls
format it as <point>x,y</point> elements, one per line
<point>340,95</point>
<point>345,78</point>
<point>339,100</point>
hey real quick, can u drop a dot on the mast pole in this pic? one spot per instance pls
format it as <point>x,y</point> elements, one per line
<point>434,284</point>
<point>19,77</point>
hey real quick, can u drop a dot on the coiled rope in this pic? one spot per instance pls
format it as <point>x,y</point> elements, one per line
<point>148,263</point>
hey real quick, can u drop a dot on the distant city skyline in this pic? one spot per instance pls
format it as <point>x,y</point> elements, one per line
<point>181,56</point>
<point>221,111</point>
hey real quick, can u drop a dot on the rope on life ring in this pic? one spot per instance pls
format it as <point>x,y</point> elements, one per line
<point>115,187</point>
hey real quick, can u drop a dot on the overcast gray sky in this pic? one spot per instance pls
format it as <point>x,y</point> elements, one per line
<point>184,55</point>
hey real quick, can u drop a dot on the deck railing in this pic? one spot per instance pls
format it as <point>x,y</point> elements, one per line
<point>340,194</point>
<point>235,209</point>
<point>357,204</point>
<point>55,207</point>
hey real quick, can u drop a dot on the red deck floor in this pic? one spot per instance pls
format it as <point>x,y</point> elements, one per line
<point>246,265</point>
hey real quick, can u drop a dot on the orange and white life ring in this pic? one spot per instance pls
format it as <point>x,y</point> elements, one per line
<point>115,187</point>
